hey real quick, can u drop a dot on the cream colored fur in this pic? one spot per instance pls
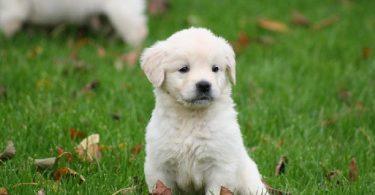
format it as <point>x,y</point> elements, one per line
<point>127,16</point>
<point>195,146</point>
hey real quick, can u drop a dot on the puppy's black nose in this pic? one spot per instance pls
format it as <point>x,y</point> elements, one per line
<point>203,86</point>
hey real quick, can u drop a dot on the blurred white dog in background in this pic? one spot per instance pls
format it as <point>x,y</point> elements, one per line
<point>127,16</point>
<point>193,140</point>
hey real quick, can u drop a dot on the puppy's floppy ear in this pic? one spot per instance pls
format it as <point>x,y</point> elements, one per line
<point>151,63</point>
<point>231,63</point>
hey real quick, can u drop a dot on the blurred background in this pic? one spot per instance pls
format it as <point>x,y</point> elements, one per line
<point>305,95</point>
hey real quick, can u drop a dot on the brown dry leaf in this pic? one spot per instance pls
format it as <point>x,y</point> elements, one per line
<point>101,52</point>
<point>65,171</point>
<point>88,149</point>
<point>242,42</point>
<point>366,53</point>
<point>225,191</point>
<point>161,189</point>
<point>3,91</point>
<point>326,22</point>
<point>299,19</point>
<point>8,152</point>
<point>353,170</point>
<point>136,149</point>
<point>157,7</point>
<point>90,86</point>
<point>280,168</point>
<point>3,191</point>
<point>273,25</point>
<point>41,192</point>
<point>74,133</point>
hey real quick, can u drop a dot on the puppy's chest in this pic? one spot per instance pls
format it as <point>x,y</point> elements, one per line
<point>189,152</point>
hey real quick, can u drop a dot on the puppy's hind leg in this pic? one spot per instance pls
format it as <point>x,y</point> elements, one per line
<point>12,15</point>
<point>128,19</point>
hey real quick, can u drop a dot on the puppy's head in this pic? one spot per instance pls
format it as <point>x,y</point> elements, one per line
<point>193,65</point>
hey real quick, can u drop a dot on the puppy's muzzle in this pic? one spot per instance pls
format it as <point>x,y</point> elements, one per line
<point>203,93</point>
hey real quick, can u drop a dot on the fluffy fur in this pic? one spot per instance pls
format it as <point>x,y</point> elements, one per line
<point>127,16</point>
<point>194,144</point>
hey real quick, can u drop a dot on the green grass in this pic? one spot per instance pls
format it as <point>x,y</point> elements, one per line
<point>287,92</point>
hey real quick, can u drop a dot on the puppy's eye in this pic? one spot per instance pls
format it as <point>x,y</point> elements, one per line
<point>215,68</point>
<point>184,69</point>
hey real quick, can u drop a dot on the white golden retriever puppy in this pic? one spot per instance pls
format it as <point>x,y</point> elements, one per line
<point>193,140</point>
<point>127,16</point>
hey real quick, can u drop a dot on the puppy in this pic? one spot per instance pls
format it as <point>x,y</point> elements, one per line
<point>127,16</point>
<point>193,140</point>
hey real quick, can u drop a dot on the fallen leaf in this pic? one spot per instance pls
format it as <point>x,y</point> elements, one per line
<point>280,168</point>
<point>88,149</point>
<point>326,23</point>
<point>366,53</point>
<point>225,191</point>
<point>91,86</point>
<point>8,152</point>
<point>3,191</point>
<point>242,42</point>
<point>45,163</point>
<point>124,191</point>
<point>273,25</point>
<point>41,192</point>
<point>299,19</point>
<point>74,133</point>
<point>157,7</point>
<point>272,190</point>
<point>48,163</point>
<point>101,52</point>
<point>136,149</point>
<point>65,171</point>
<point>161,189</point>
<point>3,91</point>
<point>353,170</point>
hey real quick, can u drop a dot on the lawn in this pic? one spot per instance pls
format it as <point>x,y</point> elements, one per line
<point>309,95</point>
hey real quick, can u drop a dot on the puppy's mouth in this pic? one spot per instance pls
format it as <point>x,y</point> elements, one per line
<point>201,99</point>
